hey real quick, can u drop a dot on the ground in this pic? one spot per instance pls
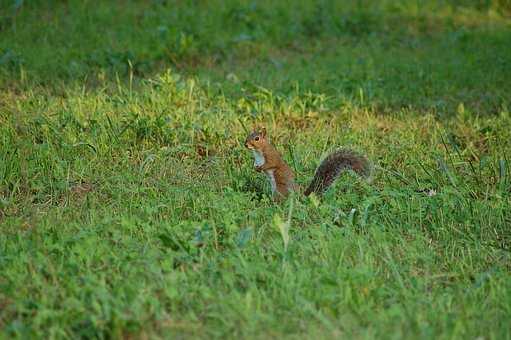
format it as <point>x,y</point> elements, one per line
<point>129,207</point>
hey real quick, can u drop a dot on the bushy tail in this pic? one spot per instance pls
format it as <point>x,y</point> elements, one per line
<point>332,167</point>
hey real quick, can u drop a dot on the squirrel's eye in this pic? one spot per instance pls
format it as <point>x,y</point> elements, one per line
<point>257,139</point>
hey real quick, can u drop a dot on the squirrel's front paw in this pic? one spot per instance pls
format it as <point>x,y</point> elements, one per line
<point>259,168</point>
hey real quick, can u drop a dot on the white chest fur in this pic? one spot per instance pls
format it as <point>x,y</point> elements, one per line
<point>258,161</point>
<point>258,158</point>
<point>271,178</point>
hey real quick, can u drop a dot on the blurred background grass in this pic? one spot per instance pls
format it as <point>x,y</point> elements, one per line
<point>432,53</point>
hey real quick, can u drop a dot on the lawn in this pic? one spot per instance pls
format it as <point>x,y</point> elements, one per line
<point>129,207</point>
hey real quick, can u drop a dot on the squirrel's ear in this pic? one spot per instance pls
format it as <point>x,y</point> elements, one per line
<point>263,131</point>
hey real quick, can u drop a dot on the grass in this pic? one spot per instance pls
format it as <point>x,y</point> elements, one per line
<point>129,207</point>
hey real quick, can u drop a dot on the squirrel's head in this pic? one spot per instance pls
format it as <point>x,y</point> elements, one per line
<point>256,139</point>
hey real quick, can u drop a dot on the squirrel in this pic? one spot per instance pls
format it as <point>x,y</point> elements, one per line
<point>282,178</point>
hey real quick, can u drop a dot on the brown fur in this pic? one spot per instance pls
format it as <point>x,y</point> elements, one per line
<point>332,167</point>
<point>284,176</point>
<point>328,171</point>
